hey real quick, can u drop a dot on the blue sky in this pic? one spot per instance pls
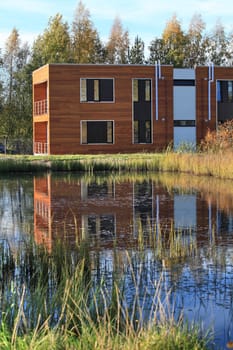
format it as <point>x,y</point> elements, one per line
<point>144,18</point>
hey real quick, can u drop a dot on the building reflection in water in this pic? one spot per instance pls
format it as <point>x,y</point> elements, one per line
<point>71,208</point>
<point>112,216</point>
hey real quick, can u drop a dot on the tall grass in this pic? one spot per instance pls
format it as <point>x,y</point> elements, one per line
<point>49,301</point>
<point>210,164</point>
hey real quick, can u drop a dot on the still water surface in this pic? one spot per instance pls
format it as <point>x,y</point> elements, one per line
<point>178,230</point>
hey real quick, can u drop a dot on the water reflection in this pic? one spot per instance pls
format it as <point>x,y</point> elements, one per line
<point>181,227</point>
<point>110,210</point>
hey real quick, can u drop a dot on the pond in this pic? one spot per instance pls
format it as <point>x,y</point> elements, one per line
<point>177,230</point>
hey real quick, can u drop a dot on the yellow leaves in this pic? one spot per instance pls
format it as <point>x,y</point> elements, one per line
<point>219,140</point>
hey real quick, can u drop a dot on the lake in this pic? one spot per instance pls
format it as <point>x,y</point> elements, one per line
<point>176,231</point>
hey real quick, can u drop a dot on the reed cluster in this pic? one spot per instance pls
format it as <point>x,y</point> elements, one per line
<point>209,164</point>
<point>49,301</point>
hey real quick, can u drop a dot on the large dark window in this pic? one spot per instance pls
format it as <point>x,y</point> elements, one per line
<point>96,90</point>
<point>102,226</point>
<point>225,91</point>
<point>97,132</point>
<point>225,100</point>
<point>142,110</point>
<point>142,131</point>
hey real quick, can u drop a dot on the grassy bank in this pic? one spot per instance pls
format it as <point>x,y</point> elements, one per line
<point>48,301</point>
<point>218,165</point>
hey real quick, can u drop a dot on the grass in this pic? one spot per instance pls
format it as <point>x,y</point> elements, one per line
<point>49,301</point>
<point>209,164</point>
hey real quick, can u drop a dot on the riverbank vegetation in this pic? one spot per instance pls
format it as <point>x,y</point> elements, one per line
<point>51,300</point>
<point>207,164</point>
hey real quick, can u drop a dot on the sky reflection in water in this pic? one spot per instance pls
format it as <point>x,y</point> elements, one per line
<point>178,226</point>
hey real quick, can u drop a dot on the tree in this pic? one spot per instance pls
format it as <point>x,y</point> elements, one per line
<point>118,44</point>
<point>86,44</point>
<point>136,54</point>
<point>195,51</point>
<point>230,49</point>
<point>53,46</point>
<point>174,41</point>
<point>218,45</point>
<point>158,51</point>
<point>10,62</point>
<point>16,102</point>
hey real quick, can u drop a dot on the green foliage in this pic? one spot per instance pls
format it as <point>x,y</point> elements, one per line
<point>80,42</point>
<point>136,53</point>
<point>53,46</point>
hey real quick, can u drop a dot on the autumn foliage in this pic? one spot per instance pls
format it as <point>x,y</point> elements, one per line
<point>219,140</point>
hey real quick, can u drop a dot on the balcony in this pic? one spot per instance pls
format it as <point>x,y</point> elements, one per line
<point>40,148</point>
<point>40,107</point>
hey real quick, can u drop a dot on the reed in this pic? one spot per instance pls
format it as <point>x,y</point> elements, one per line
<point>49,301</point>
<point>208,164</point>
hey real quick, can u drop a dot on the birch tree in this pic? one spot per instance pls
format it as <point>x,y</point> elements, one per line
<point>197,42</point>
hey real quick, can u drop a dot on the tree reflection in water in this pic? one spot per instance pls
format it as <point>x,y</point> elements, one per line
<point>175,230</point>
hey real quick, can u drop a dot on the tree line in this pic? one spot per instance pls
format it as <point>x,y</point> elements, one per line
<point>80,42</point>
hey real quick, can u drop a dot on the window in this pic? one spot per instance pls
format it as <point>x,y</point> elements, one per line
<point>184,82</point>
<point>96,90</point>
<point>225,91</point>
<point>142,131</point>
<point>141,96</point>
<point>184,122</point>
<point>141,90</point>
<point>102,226</point>
<point>98,191</point>
<point>94,132</point>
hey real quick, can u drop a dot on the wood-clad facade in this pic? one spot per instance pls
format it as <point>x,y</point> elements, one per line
<point>126,108</point>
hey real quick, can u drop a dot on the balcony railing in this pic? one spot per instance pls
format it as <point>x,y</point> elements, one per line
<point>40,107</point>
<point>40,148</point>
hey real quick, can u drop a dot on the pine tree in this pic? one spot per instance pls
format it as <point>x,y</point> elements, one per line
<point>53,46</point>
<point>136,54</point>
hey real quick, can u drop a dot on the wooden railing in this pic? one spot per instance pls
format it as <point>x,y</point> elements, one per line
<point>40,107</point>
<point>40,148</point>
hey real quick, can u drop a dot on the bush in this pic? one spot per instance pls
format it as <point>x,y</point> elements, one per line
<point>219,140</point>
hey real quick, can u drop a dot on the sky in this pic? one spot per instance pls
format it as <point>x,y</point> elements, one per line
<point>147,19</point>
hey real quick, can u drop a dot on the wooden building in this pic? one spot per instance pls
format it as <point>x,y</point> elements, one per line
<point>126,108</point>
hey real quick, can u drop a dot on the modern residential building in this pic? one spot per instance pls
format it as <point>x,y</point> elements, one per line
<point>126,108</point>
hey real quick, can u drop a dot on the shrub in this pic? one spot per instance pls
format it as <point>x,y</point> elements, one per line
<point>219,140</point>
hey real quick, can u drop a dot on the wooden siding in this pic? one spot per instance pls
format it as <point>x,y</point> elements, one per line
<point>66,111</point>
